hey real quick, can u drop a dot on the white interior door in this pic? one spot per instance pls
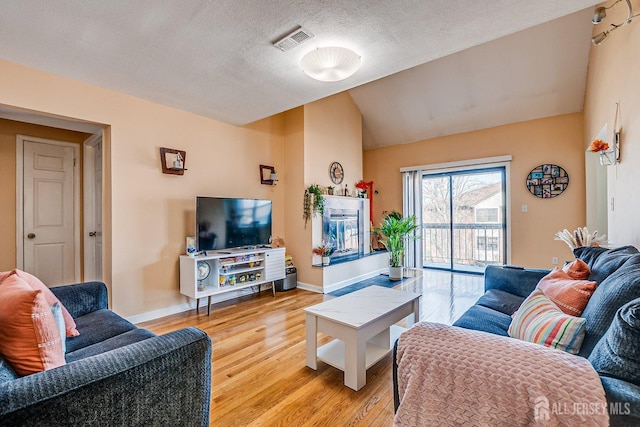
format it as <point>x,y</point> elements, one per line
<point>49,211</point>
<point>93,208</point>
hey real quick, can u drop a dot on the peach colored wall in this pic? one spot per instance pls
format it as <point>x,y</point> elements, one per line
<point>151,213</point>
<point>298,239</point>
<point>8,131</point>
<point>332,132</point>
<point>557,140</point>
<point>612,77</point>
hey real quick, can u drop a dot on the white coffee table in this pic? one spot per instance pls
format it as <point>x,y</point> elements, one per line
<point>363,323</point>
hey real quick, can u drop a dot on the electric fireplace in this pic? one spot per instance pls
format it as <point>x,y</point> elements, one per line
<point>343,226</point>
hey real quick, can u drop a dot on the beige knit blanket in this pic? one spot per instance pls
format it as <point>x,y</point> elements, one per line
<point>449,376</point>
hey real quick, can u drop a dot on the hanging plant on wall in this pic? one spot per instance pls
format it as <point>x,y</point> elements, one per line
<point>313,203</point>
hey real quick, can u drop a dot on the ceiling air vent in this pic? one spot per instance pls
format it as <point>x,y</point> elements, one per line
<point>288,42</point>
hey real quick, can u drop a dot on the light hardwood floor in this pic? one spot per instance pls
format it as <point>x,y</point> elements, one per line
<point>258,364</point>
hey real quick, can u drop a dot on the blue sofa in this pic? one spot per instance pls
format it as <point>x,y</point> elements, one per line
<point>617,273</point>
<point>116,373</point>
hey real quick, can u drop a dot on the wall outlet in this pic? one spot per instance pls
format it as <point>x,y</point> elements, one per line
<point>554,260</point>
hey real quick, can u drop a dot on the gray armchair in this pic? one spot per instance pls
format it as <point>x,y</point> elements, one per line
<point>116,374</point>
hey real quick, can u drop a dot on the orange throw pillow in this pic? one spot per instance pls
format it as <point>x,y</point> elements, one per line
<point>36,284</point>
<point>29,337</point>
<point>577,270</point>
<point>571,296</point>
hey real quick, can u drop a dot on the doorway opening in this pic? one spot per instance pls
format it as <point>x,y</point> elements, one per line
<point>92,207</point>
<point>86,197</point>
<point>464,219</point>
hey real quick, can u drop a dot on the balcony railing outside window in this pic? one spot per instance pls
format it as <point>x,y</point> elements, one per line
<point>476,245</point>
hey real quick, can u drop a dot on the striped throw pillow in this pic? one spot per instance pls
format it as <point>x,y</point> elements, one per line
<point>540,321</point>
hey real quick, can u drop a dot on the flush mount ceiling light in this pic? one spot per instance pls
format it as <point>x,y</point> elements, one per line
<point>330,64</point>
<point>600,13</point>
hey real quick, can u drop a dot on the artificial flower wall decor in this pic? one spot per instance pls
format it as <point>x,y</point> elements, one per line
<point>598,145</point>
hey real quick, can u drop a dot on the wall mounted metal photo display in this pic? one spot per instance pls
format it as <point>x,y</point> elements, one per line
<point>547,181</point>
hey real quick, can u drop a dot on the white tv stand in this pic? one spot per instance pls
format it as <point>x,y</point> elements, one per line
<point>229,270</point>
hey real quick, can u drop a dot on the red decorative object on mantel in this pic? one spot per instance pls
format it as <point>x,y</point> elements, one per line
<point>361,185</point>
<point>368,188</point>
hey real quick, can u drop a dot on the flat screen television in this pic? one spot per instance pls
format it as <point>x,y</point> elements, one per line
<point>226,223</point>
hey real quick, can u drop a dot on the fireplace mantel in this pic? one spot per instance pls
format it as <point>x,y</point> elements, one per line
<point>352,267</point>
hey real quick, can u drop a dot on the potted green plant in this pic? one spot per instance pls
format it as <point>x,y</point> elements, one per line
<point>313,202</point>
<point>325,251</point>
<point>394,232</point>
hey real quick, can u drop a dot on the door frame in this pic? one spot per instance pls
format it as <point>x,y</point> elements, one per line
<point>89,199</point>
<point>480,163</point>
<point>450,175</point>
<point>20,139</point>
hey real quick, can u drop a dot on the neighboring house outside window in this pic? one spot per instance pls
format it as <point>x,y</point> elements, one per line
<point>489,243</point>
<point>487,215</point>
<point>488,238</point>
<point>463,224</point>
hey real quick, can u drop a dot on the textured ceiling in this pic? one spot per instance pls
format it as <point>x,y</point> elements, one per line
<point>215,58</point>
<point>539,72</point>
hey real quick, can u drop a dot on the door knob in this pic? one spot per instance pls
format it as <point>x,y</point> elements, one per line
<point>31,236</point>
<point>92,234</point>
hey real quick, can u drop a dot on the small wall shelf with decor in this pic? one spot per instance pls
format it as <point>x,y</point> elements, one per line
<point>173,161</point>
<point>218,272</point>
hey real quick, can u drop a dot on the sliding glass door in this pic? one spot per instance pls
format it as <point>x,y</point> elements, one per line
<point>464,219</point>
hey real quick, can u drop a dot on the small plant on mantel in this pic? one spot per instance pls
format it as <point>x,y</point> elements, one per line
<point>313,202</point>
<point>323,250</point>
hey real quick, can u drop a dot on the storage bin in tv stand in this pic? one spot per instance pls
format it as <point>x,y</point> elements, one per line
<point>249,267</point>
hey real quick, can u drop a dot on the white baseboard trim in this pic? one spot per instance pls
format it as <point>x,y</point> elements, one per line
<point>310,287</point>
<point>351,281</point>
<point>186,306</point>
<point>156,314</point>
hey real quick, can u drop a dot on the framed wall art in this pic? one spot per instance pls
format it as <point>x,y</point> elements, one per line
<point>547,181</point>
